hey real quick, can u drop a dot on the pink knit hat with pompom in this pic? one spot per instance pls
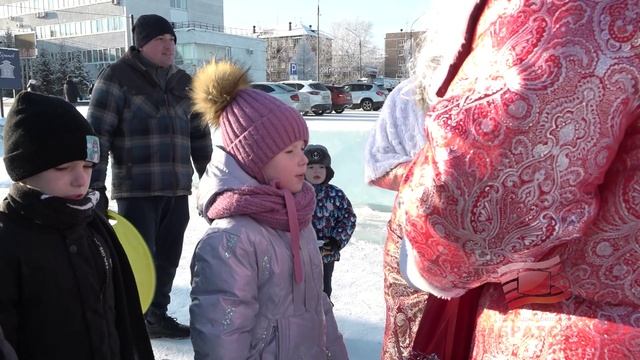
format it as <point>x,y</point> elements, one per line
<point>256,127</point>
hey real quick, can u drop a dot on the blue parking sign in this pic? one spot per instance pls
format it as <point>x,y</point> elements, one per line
<point>293,69</point>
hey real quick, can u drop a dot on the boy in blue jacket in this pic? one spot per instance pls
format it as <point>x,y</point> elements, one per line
<point>333,220</point>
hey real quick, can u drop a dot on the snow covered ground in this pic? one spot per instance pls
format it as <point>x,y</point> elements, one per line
<point>357,279</point>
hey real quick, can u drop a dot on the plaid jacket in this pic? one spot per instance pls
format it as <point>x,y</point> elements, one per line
<point>151,134</point>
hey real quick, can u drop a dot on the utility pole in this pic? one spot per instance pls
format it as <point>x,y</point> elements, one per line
<point>359,52</point>
<point>360,57</point>
<point>318,44</point>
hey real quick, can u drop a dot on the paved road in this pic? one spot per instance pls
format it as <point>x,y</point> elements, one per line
<point>349,115</point>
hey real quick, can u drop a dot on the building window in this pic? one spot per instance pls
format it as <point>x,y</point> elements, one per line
<point>35,6</point>
<point>79,28</point>
<point>178,4</point>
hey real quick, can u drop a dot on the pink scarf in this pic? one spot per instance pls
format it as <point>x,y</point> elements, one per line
<point>273,207</point>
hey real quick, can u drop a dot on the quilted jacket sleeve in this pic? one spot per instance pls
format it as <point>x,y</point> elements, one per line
<point>223,296</point>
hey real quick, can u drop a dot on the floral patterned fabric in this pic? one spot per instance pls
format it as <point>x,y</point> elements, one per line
<point>392,143</point>
<point>404,304</point>
<point>533,153</point>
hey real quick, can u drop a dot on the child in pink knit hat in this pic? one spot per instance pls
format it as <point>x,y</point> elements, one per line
<point>257,272</point>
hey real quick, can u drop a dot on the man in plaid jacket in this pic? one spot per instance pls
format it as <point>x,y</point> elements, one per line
<point>141,110</point>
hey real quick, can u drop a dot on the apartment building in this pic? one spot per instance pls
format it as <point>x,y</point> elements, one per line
<point>296,45</point>
<point>399,47</point>
<point>100,30</point>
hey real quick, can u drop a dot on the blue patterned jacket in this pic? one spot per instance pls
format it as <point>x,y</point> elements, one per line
<point>333,220</point>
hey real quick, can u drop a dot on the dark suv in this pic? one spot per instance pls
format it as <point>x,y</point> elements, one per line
<point>365,96</point>
<point>340,98</point>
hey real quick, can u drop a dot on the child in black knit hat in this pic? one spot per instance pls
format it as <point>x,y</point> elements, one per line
<point>333,220</point>
<point>68,291</point>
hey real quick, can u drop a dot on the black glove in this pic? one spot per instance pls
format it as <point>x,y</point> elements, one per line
<point>333,244</point>
<point>103,201</point>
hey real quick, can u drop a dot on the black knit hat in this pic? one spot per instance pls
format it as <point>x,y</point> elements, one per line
<point>318,154</point>
<point>150,26</point>
<point>42,132</point>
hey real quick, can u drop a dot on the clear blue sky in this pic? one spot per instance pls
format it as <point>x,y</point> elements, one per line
<point>386,16</point>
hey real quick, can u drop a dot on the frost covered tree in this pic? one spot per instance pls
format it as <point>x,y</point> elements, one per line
<point>353,51</point>
<point>43,71</point>
<point>306,59</point>
<point>79,73</point>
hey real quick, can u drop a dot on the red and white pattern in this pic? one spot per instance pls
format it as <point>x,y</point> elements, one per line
<point>535,152</point>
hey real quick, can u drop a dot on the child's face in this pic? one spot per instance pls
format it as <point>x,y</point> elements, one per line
<point>288,167</point>
<point>316,173</point>
<point>69,181</point>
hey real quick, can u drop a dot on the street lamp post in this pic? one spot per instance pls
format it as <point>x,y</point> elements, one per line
<point>359,52</point>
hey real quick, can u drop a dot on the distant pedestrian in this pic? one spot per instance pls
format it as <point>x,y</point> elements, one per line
<point>333,219</point>
<point>33,85</point>
<point>71,92</point>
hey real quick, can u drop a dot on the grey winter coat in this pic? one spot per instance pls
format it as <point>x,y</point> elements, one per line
<point>245,302</point>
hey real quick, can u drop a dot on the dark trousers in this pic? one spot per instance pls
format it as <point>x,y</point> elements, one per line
<point>328,273</point>
<point>161,220</point>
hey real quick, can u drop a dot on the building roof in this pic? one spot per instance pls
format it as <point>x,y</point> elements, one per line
<point>299,30</point>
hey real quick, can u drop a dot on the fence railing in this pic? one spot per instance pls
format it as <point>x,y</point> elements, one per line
<point>211,27</point>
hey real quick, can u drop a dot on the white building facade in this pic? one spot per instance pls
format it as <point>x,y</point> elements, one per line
<point>100,30</point>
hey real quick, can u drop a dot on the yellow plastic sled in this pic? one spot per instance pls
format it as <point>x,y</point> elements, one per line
<point>139,257</point>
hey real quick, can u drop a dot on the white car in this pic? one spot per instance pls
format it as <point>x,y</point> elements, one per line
<point>319,95</point>
<point>365,96</point>
<point>286,94</point>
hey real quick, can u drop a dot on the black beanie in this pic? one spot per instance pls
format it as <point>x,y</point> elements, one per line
<point>318,154</point>
<point>150,26</point>
<point>42,132</point>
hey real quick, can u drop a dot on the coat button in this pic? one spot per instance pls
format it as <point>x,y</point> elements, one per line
<point>73,249</point>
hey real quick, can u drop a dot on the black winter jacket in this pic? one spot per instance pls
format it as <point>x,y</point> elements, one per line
<point>67,290</point>
<point>71,91</point>
<point>6,351</point>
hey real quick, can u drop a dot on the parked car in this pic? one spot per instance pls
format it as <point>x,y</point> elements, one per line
<point>287,94</point>
<point>319,95</point>
<point>340,98</point>
<point>383,89</point>
<point>365,96</point>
